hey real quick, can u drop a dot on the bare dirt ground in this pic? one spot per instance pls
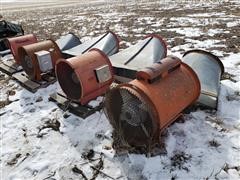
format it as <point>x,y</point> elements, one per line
<point>50,19</point>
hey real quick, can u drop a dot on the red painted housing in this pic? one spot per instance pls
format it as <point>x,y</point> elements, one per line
<point>141,110</point>
<point>85,77</point>
<point>30,61</point>
<point>170,86</point>
<point>16,42</point>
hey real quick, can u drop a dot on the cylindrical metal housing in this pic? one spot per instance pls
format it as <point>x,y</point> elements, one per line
<point>209,69</point>
<point>16,42</point>
<point>140,110</point>
<point>30,59</point>
<point>85,77</point>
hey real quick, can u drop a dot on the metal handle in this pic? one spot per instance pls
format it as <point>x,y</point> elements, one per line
<point>159,70</point>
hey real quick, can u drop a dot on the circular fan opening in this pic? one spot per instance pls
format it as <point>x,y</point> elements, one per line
<point>131,116</point>
<point>26,62</point>
<point>68,80</point>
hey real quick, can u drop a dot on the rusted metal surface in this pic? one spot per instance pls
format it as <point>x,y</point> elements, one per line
<point>85,77</point>
<point>144,53</point>
<point>108,43</point>
<point>209,69</point>
<point>16,42</point>
<point>30,61</point>
<point>141,109</point>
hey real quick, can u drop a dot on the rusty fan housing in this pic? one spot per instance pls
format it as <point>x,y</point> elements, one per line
<point>15,43</point>
<point>30,61</point>
<point>85,77</point>
<point>140,110</point>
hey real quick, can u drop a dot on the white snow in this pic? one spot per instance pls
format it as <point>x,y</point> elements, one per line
<point>232,24</point>
<point>194,32</point>
<point>206,14</point>
<point>187,31</point>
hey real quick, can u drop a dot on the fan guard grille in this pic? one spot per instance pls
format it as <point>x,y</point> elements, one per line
<point>131,116</point>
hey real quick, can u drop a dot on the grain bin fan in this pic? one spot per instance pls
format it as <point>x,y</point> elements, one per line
<point>141,109</point>
<point>16,42</point>
<point>39,58</point>
<point>85,77</point>
<point>64,42</point>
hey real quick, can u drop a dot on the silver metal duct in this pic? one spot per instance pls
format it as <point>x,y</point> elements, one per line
<point>143,54</point>
<point>209,69</point>
<point>108,43</point>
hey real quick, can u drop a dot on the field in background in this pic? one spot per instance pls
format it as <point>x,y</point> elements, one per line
<point>132,20</point>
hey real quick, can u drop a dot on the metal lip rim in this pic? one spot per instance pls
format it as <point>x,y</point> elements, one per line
<point>70,32</point>
<point>116,37</point>
<point>160,38</point>
<point>209,54</point>
<point>55,44</point>
<point>22,52</point>
<point>62,60</point>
